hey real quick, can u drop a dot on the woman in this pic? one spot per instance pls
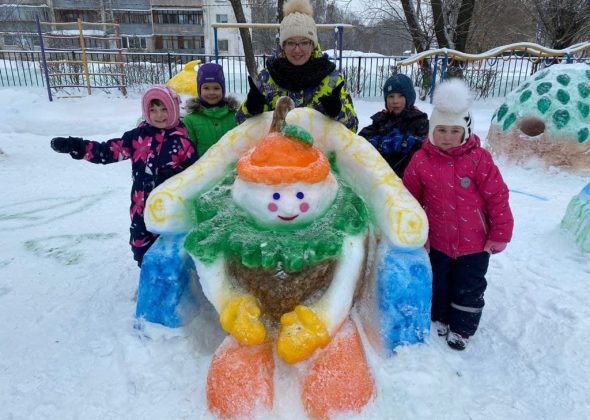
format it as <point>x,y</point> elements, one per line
<point>301,72</point>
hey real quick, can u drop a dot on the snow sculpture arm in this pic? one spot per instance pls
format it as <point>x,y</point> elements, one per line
<point>166,211</point>
<point>398,215</point>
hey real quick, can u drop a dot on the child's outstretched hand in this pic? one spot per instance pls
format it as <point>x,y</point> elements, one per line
<point>72,145</point>
<point>494,247</point>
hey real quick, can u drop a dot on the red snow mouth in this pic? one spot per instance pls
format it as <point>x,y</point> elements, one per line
<point>288,219</point>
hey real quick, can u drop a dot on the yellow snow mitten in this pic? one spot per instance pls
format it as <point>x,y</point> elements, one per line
<point>241,318</point>
<point>302,332</point>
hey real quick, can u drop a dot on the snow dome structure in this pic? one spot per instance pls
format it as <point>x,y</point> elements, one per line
<point>547,117</point>
<point>291,221</point>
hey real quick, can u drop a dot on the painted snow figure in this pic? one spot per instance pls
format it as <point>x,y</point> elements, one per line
<point>547,117</point>
<point>290,224</point>
<point>576,220</point>
<point>184,83</point>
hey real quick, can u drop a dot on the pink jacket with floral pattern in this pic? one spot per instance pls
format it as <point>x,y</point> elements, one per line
<point>463,194</point>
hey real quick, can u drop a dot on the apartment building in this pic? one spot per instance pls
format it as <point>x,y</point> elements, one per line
<point>145,25</point>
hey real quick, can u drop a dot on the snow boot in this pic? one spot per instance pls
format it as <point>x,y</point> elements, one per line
<point>442,329</point>
<point>456,341</point>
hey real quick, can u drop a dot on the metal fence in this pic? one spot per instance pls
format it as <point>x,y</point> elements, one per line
<point>489,77</point>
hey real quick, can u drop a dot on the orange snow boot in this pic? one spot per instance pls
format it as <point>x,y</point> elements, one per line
<point>240,379</point>
<point>339,378</point>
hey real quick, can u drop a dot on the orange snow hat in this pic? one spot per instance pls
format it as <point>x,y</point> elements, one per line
<point>284,157</point>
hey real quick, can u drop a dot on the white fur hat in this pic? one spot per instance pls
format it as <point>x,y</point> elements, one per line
<point>298,21</point>
<point>452,99</point>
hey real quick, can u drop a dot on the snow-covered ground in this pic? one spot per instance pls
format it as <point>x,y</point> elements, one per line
<point>68,349</point>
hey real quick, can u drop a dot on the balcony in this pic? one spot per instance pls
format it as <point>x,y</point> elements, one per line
<point>189,4</point>
<point>188,30</point>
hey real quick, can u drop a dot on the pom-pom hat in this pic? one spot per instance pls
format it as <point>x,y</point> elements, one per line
<point>452,99</point>
<point>210,73</point>
<point>284,157</point>
<point>298,21</point>
<point>402,84</point>
<point>168,97</point>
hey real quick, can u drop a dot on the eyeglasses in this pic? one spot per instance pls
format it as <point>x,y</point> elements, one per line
<point>303,45</point>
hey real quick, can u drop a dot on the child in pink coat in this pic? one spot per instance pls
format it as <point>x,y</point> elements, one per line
<point>466,201</point>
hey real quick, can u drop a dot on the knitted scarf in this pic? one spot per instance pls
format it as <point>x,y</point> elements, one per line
<point>294,78</point>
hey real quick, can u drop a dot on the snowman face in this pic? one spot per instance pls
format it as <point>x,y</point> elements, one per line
<point>285,204</point>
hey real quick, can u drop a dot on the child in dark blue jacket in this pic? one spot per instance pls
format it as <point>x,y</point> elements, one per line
<point>158,147</point>
<point>398,131</point>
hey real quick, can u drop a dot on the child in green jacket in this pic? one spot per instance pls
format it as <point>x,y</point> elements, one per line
<point>210,115</point>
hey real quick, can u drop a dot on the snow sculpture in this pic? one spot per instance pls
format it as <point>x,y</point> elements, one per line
<point>289,227</point>
<point>547,117</point>
<point>576,220</point>
<point>185,82</point>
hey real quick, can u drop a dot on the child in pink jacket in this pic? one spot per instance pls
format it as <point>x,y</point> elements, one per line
<point>466,201</point>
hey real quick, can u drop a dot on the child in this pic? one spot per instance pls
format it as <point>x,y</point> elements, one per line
<point>211,115</point>
<point>397,132</point>
<point>159,148</point>
<point>466,201</point>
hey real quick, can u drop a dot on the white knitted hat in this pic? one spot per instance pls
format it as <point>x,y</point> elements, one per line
<point>298,21</point>
<point>452,99</point>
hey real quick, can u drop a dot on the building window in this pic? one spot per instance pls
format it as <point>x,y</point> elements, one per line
<point>223,45</point>
<point>221,18</point>
<point>73,15</point>
<point>182,42</point>
<point>129,17</point>
<point>134,42</point>
<point>178,17</point>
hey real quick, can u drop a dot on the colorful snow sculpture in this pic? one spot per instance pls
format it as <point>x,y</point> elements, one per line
<point>288,228</point>
<point>185,82</point>
<point>166,294</point>
<point>548,117</point>
<point>576,220</point>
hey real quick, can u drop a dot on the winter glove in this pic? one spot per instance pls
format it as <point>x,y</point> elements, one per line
<point>255,99</point>
<point>332,103</point>
<point>396,142</point>
<point>72,145</point>
<point>375,141</point>
<point>494,247</point>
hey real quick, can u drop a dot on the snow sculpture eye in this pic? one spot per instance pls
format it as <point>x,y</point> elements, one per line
<point>276,196</point>
<point>300,195</point>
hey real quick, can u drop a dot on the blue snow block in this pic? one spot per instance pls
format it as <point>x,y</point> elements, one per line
<point>164,294</point>
<point>404,297</point>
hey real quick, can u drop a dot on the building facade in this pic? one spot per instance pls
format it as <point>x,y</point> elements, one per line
<point>145,25</point>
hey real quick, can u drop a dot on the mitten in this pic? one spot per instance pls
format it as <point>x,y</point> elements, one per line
<point>255,99</point>
<point>72,145</point>
<point>493,247</point>
<point>375,141</point>
<point>392,142</point>
<point>332,103</point>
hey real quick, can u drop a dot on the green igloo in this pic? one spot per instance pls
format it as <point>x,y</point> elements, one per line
<point>548,117</point>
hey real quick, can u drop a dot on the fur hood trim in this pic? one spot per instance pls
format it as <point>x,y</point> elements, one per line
<point>194,104</point>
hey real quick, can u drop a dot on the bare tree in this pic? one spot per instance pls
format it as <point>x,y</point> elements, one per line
<point>246,39</point>
<point>562,23</point>
<point>517,25</point>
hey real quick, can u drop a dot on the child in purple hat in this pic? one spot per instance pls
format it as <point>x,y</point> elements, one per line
<point>158,148</point>
<point>211,114</point>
